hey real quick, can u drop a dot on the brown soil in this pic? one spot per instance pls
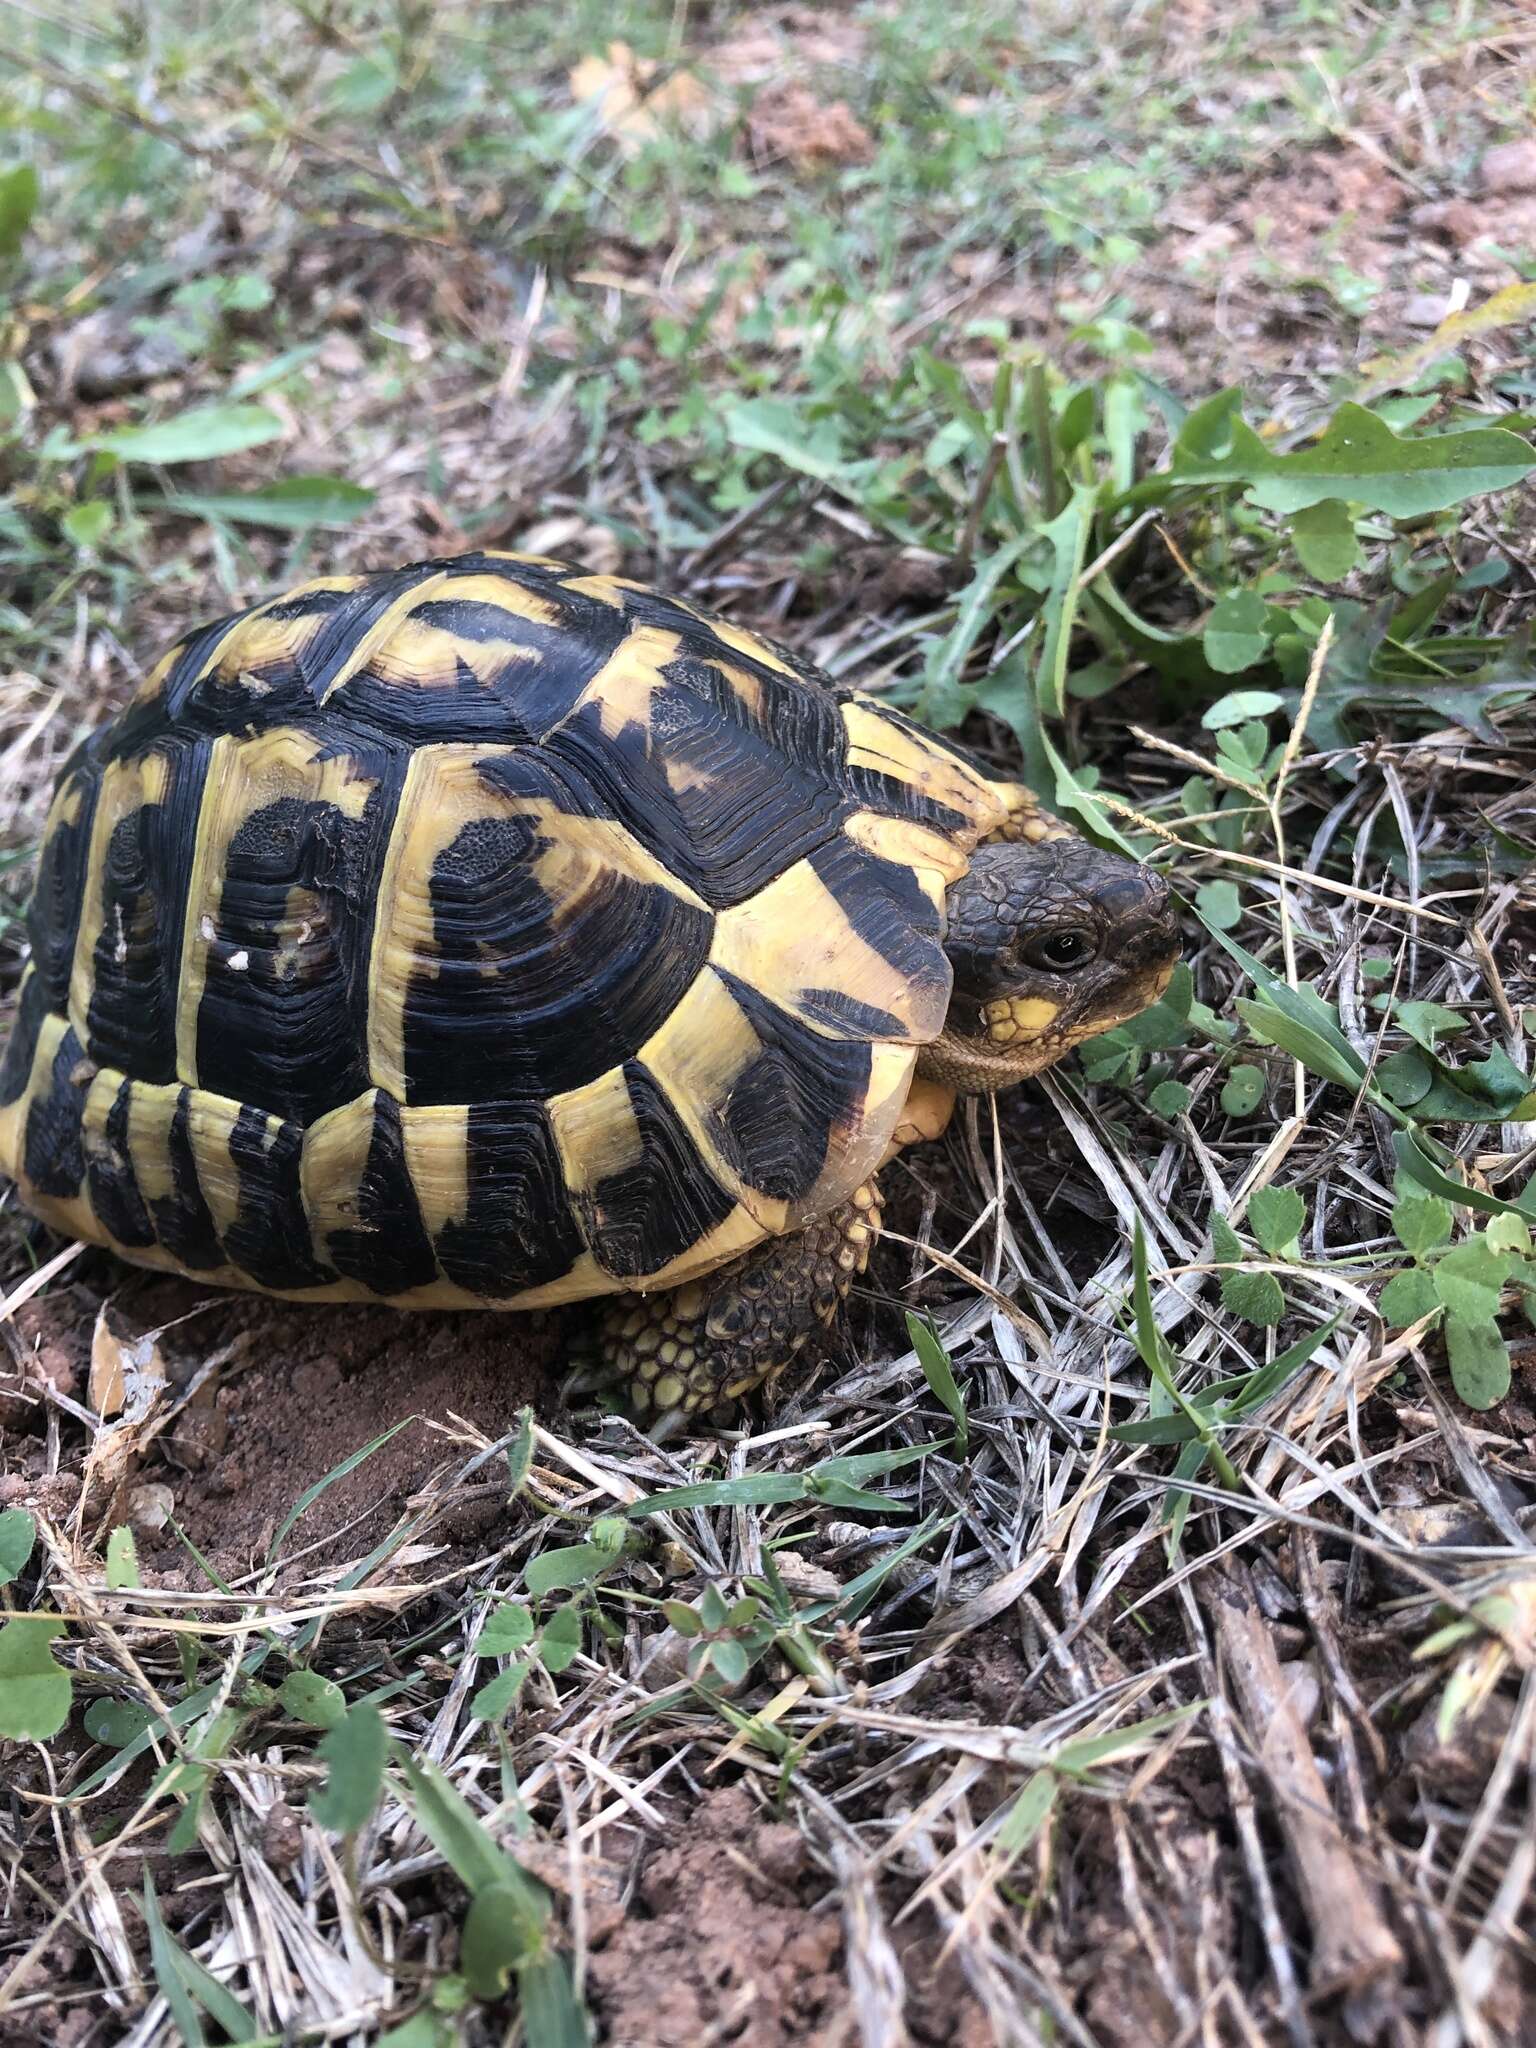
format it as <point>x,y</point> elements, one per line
<point>305,1388</point>
<point>735,1935</point>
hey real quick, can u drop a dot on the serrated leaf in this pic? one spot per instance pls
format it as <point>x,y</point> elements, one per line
<point>1408,1297</point>
<point>1256,1297</point>
<point>312,1699</point>
<point>18,1533</point>
<point>560,1639</point>
<point>1469,1279</point>
<point>500,1694</point>
<point>355,1751</point>
<point>507,1629</point>
<point>1323,536</point>
<point>771,426</point>
<point>35,1692</point>
<point>1479,1361</point>
<point>196,436</point>
<point>1276,1216</point>
<point>1359,458</point>
<point>1421,1222</point>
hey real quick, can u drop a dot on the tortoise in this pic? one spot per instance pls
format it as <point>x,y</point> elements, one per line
<point>492,933</point>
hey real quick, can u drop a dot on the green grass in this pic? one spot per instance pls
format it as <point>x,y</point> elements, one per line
<point>1204,1337</point>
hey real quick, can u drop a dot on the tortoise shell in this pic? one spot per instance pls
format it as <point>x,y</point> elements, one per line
<point>485,932</point>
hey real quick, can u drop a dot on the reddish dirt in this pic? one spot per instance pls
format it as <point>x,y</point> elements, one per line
<point>307,1387</point>
<point>735,1935</point>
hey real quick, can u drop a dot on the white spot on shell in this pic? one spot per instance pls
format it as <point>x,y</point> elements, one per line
<point>237,963</point>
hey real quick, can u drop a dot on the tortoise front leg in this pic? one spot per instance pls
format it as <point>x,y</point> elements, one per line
<point>1026,821</point>
<point>717,1338</point>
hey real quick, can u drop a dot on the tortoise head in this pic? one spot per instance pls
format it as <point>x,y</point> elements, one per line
<point>1050,943</point>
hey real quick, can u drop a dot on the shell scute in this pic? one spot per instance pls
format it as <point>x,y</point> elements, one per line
<point>484,931</point>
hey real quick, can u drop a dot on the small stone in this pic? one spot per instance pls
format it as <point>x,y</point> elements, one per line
<point>1509,167</point>
<point>282,1836</point>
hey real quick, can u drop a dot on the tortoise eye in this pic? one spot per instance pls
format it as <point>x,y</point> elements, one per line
<point>1059,951</point>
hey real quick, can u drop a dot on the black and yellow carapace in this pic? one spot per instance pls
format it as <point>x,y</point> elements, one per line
<point>489,933</point>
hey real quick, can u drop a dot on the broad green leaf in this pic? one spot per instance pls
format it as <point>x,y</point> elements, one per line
<point>1421,1222</point>
<point>18,1533</point>
<point>317,1701</point>
<point>500,1935</point>
<point>1469,1279</point>
<point>115,1723</point>
<point>196,436</point>
<point>18,203</point>
<point>1508,1234</point>
<point>1243,1090</point>
<point>1236,634</point>
<point>34,1692</point>
<point>292,504</point>
<point>1276,1216</point>
<point>1479,1361</point>
<point>730,1659</point>
<point>88,524</point>
<point>1233,709</point>
<point>1324,538</point>
<point>1408,1297</point>
<point>771,426</point>
<point>122,1559</point>
<point>939,1373</point>
<point>1359,458</point>
<point>508,1628</point>
<point>572,1564</point>
<point>354,1750</point>
<point>1170,1098</point>
<point>1220,904</point>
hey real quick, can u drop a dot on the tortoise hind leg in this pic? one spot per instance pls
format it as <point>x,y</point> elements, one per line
<point>717,1338</point>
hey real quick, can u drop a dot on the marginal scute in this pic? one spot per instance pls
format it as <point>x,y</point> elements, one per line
<point>487,931</point>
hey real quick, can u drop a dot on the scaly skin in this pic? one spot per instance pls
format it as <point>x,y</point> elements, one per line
<point>719,1338</point>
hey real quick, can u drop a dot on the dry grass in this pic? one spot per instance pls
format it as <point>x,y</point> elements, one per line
<point>1022,1764</point>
